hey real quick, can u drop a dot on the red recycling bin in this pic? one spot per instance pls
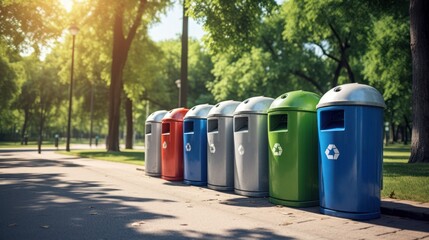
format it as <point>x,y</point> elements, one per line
<point>172,145</point>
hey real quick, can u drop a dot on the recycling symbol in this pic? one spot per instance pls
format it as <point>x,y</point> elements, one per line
<point>241,150</point>
<point>164,144</point>
<point>277,150</point>
<point>332,152</point>
<point>188,147</point>
<point>212,148</point>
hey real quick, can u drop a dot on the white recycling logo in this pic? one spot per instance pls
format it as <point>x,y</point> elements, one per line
<point>277,150</point>
<point>241,150</point>
<point>332,152</point>
<point>212,148</point>
<point>188,147</point>
<point>164,144</point>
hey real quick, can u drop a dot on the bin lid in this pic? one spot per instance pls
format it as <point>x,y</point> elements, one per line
<point>258,104</point>
<point>296,100</point>
<point>352,94</point>
<point>223,109</point>
<point>199,111</point>
<point>176,114</point>
<point>156,116</point>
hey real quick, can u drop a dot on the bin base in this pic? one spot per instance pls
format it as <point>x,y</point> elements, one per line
<point>219,188</point>
<point>293,203</point>
<point>350,215</point>
<point>153,174</point>
<point>172,178</point>
<point>194,183</point>
<point>250,193</point>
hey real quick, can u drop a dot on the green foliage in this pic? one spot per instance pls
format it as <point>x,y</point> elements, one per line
<point>30,24</point>
<point>199,74</point>
<point>230,24</point>
<point>388,64</point>
<point>334,28</point>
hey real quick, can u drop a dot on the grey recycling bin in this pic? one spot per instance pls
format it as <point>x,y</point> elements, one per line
<point>153,143</point>
<point>220,146</point>
<point>251,147</point>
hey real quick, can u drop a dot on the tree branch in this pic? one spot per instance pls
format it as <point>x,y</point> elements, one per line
<point>337,36</point>
<point>336,75</point>
<point>309,79</point>
<point>349,69</point>
<point>136,23</point>
<point>326,53</point>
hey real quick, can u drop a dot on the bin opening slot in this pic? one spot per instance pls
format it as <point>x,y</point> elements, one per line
<point>189,126</point>
<point>148,128</point>
<point>278,122</point>
<point>212,125</point>
<point>241,124</point>
<point>332,120</point>
<point>165,128</point>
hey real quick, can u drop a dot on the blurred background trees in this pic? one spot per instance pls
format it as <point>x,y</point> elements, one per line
<point>250,48</point>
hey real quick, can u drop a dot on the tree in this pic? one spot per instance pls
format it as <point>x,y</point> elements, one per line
<point>230,25</point>
<point>387,67</point>
<point>29,24</point>
<point>419,31</point>
<point>122,39</point>
<point>337,30</point>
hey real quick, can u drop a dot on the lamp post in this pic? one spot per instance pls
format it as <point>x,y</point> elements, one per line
<point>73,31</point>
<point>180,91</point>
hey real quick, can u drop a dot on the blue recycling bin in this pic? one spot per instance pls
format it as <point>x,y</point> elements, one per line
<point>195,145</point>
<point>350,127</point>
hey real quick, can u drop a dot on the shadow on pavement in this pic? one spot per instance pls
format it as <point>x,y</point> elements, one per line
<point>15,163</point>
<point>43,206</point>
<point>46,206</point>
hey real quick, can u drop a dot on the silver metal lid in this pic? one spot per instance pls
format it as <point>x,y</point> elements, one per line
<point>224,109</point>
<point>199,111</point>
<point>258,104</point>
<point>156,116</point>
<point>352,94</point>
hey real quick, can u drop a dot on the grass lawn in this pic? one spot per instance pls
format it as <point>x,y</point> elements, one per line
<point>402,180</point>
<point>30,144</point>
<point>125,156</point>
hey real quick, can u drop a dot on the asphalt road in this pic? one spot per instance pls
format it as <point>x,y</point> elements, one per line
<point>51,196</point>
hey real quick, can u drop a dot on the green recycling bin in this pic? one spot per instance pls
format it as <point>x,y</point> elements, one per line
<point>293,150</point>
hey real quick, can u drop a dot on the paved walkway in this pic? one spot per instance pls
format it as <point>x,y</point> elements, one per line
<point>51,196</point>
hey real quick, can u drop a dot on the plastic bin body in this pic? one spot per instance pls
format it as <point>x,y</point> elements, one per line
<point>351,153</point>
<point>220,146</point>
<point>153,130</point>
<point>195,145</point>
<point>251,147</point>
<point>172,145</point>
<point>293,150</point>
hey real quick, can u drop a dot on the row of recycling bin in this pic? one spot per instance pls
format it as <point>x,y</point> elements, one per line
<point>299,149</point>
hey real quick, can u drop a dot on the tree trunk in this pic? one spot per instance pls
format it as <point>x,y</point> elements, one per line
<point>24,126</point>
<point>419,32</point>
<point>41,123</point>
<point>121,46</point>
<point>129,116</point>
<point>184,60</point>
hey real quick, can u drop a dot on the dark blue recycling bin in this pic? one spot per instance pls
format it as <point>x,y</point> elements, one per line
<point>350,127</point>
<point>195,145</point>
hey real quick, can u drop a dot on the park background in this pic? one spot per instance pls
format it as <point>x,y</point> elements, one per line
<point>246,48</point>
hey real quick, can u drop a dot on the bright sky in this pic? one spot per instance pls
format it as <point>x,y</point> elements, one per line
<point>170,25</point>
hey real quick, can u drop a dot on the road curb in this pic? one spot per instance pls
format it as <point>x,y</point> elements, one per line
<point>406,209</point>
